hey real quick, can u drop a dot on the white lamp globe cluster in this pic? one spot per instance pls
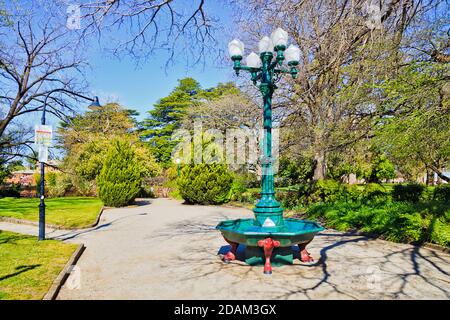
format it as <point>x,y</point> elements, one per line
<point>276,43</point>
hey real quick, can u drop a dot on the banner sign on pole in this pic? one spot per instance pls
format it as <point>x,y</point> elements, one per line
<point>43,135</point>
<point>43,153</point>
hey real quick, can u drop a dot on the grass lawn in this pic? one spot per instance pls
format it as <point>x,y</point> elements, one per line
<point>28,267</point>
<point>69,212</point>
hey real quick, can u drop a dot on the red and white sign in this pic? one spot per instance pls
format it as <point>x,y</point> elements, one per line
<point>43,135</point>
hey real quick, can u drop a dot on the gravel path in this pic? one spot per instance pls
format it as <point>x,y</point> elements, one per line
<point>163,249</point>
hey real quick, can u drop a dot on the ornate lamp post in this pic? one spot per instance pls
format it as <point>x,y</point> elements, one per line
<point>269,235</point>
<point>263,69</point>
<point>95,104</point>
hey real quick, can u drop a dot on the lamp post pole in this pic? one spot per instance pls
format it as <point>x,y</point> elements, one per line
<point>264,68</point>
<point>178,161</point>
<point>42,185</point>
<point>94,104</point>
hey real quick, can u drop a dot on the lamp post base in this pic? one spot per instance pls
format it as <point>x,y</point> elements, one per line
<point>230,255</point>
<point>304,254</point>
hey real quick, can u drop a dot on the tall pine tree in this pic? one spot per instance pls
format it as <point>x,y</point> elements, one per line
<point>168,113</point>
<point>166,117</point>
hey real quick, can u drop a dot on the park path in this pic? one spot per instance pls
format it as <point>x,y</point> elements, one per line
<point>163,249</point>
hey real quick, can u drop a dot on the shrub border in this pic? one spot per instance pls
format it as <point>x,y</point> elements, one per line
<point>53,226</point>
<point>52,293</point>
<point>296,215</point>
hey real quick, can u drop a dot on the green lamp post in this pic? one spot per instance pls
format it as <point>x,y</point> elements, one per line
<point>269,230</point>
<point>264,68</point>
<point>178,161</point>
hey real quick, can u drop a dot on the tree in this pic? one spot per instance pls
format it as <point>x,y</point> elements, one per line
<point>120,179</point>
<point>166,117</point>
<point>226,107</point>
<point>172,25</point>
<point>382,169</point>
<point>417,131</point>
<point>87,138</point>
<point>37,56</point>
<point>327,108</point>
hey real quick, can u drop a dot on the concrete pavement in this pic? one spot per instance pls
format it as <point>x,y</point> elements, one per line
<point>163,249</point>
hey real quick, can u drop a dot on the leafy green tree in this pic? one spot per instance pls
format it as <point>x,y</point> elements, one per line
<point>382,169</point>
<point>87,138</point>
<point>178,110</point>
<point>166,117</point>
<point>120,179</point>
<point>416,134</point>
<point>294,172</point>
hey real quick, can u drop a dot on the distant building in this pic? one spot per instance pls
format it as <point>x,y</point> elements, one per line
<point>25,177</point>
<point>22,177</point>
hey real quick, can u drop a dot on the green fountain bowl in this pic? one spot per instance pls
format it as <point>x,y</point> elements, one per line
<point>247,232</point>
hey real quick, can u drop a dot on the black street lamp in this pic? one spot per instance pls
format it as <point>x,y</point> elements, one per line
<point>95,104</point>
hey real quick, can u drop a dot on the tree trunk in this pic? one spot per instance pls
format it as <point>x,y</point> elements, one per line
<point>440,174</point>
<point>3,124</point>
<point>320,165</point>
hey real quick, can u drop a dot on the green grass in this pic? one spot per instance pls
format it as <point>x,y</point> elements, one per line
<point>395,221</point>
<point>28,267</point>
<point>69,212</point>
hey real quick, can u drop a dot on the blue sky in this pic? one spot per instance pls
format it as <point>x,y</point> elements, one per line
<point>139,87</point>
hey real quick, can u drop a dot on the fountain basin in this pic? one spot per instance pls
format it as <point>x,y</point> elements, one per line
<point>247,232</point>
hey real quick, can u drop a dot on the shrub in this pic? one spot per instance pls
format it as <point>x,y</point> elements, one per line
<point>83,187</point>
<point>326,190</point>
<point>351,192</point>
<point>146,192</point>
<point>289,199</point>
<point>440,232</point>
<point>294,171</point>
<point>374,192</point>
<point>120,179</point>
<point>442,193</point>
<point>410,192</point>
<point>382,169</point>
<point>238,188</point>
<point>58,184</point>
<point>250,197</point>
<point>11,191</point>
<point>205,183</point>
<point>395,221</point>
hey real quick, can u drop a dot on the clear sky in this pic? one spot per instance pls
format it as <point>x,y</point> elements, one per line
<point>139,87</point>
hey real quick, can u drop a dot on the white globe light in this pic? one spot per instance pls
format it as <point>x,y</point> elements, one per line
<point>235,48</point>
<point>279,37</point>
<point>253,60</point>
<point>265,45</point>
<point>292,53</point>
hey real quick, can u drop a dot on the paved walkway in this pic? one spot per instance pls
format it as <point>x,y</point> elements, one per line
<point>165,250</point>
